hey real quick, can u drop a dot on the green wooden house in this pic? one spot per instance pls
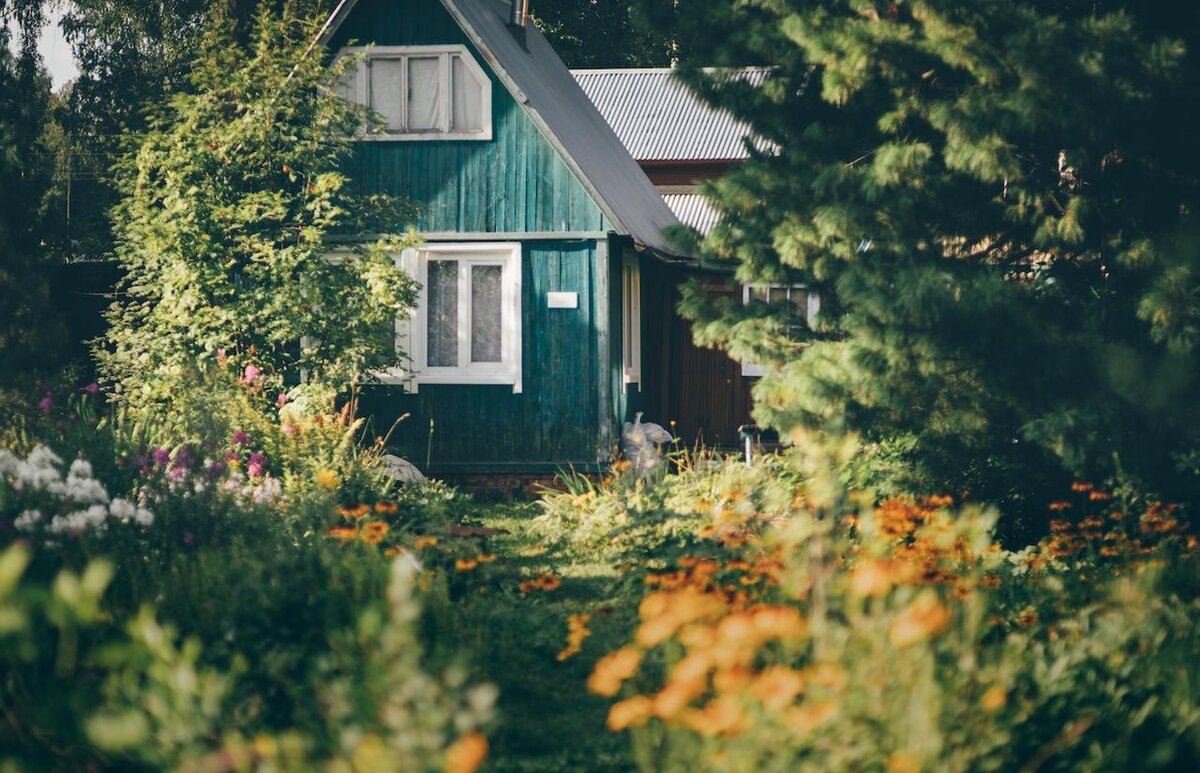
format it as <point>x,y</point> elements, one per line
<point>526,345</point>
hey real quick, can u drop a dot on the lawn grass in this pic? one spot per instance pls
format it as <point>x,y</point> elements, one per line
<point>548,721</point>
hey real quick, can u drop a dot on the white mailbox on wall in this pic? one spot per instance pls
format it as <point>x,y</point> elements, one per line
<point>562,300</point>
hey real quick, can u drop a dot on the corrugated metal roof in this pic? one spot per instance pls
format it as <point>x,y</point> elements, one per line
<point>693,210</point>
<point>659,119</point>
<point>543,86</point>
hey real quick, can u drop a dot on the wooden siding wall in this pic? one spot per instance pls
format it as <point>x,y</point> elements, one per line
<point>702,390</point>
<point>556,420</point>
<point>514,182</point>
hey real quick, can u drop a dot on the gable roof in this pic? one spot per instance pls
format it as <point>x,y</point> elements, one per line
<point>658,118</point>
<point>544,88</point>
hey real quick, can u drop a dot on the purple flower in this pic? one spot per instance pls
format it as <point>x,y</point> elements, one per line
<point>240,438</point>
<point>256,464</point>
<point>46,403</point>
<point>188,539</point>
<point>183,457</point>
<point>92,388</point>
<point>282,400</point>
<point>215,469</point>
<point>160,456</point>
<point>250,374</point>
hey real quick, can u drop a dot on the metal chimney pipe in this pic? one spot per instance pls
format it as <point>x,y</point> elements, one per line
<point>520,13</point>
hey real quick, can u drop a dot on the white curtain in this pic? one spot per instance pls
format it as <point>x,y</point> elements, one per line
<point>486,313</point>
<point>468,98</point>
<point>442,299</point>
<point>385,91</point>
<point>424,94</point>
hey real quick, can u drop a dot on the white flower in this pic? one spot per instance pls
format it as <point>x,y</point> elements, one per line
<point>143,517</point>
<point>80,468</point>
<point>43,458</point>
<point>8,462</point>
<point>122,509</point>
<point>27,520</point>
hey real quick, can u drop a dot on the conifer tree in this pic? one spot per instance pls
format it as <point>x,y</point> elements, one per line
<point>234,201</point>
<point>996,202</point>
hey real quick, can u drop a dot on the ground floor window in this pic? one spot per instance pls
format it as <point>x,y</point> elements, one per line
<point>466,328</point>
<point>631,320</point>
<point>803,302</point>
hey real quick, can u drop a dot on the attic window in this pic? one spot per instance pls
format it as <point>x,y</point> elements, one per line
<point>421,92</point>
<point>802,302</point>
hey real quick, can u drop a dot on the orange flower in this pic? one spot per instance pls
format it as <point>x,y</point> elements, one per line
<point>425,542</point>
<point>613,669</point>
<point>809,716</point>
<point>925,617</point>
<point>673,698</point>
<point>354,511</point>
<point>777,686</point>
<point>465,564</point>
<point>386,508</point>
<point>871,578</point>
<point>903,762</point>
<point>778,622</point>
<point>373,532</point>
<point>577,631</point>
<point>485,558</point>
<point>995,698</point>
<point>631,712</point>
<point>722,716</point>
<point>393,552</point>
<point>550,582</point>
<point>466,754</point>
<point>344,533</point>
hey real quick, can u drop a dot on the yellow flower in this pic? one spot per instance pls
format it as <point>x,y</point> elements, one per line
<point>327,479</point>
<point>995,698</point>
<point>613,669</point>
<point>631,712</point>
<point>466,754</point>
<point>925,617</point>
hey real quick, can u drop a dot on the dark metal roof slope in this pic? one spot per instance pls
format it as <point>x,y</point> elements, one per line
<point>660,119</point>
<point>545,89</point>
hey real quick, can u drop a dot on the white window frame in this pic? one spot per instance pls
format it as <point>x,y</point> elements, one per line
<point>631,320</point>
<point>412,330</point>
<point>811,309</point>
<point>362,89</point>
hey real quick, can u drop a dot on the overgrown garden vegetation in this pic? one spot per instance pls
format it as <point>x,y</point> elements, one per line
<point>977,552</point>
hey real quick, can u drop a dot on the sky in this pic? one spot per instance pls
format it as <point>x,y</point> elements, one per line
<point>55,52</point>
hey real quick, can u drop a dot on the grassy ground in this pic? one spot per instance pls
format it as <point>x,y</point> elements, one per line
<point>548,720</point>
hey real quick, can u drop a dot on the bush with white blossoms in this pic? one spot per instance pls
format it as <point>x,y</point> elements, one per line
<point>38,495</point>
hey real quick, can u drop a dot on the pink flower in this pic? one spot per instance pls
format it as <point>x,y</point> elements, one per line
<point>240,438</point>
<point>92,388</point>
<point>256,464</point>
<point>282,400</point>
<point>177,473</point>
<point>46,403</point>
<point>289,430</point>
<point>250,374</point>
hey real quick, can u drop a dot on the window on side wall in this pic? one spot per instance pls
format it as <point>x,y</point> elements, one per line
<point>631,321</point>
<point>421,92</point>
<point>805,304</point>
<point>466,327</point>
